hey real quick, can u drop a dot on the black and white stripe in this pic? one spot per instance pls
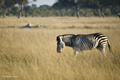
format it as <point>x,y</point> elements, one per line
<point>101,40</point>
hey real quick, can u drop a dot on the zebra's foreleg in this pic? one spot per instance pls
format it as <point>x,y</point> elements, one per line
<point>82,52</point>
<point>75,53</point>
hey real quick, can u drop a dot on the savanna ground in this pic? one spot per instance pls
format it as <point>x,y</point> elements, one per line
<point>30,54</point>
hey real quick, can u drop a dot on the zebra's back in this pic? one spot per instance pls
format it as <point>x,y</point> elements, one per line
<point>90,41</point>
<point>84,42</point>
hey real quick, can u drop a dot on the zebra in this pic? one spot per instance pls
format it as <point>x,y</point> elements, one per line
<point>82,42</point>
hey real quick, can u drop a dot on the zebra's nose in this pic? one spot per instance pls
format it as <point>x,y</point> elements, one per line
<point>58,51</point>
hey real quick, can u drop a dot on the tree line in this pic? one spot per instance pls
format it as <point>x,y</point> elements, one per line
<point>5,5</point>
<point>99,5</point>
<point>61,8</point>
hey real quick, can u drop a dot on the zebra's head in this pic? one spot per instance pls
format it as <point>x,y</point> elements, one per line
<point>64,40</point>
<point>60,44</point>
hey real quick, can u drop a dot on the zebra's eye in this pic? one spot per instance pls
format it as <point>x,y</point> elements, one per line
<point>61,45</point>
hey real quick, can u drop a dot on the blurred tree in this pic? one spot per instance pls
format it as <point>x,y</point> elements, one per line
<point>64,4</point>
<point>61,8</point>
<point>78,4</point>
<point>22,3</point>
<point>14,10</point>
<point>94,4</point>
<point>5,5</point>
<point>115,5</point>
<point>100,5</point>
<point>27,10</point>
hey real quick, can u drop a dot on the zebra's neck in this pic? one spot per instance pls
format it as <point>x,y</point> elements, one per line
<point>67,39</point>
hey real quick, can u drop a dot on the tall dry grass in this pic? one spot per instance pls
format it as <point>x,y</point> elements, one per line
<point>30,54</point>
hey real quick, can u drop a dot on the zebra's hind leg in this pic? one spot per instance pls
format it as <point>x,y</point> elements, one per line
<point>75,51</point>
<point>102,49</point>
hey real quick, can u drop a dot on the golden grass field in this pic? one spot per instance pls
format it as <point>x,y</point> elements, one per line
<point>30,53</point>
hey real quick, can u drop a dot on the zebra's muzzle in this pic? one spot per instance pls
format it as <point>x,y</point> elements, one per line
<point>59,51</point>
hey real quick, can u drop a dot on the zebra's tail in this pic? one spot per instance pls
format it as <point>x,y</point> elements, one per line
<point>109,46</point>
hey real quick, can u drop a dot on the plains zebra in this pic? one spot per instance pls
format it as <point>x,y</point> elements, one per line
<point>82,42</point>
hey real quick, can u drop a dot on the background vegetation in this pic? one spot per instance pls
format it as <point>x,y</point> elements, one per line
<point>30,54</point>
<point>77,8</point>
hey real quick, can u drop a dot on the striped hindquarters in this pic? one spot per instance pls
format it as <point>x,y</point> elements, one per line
<point>101,39</point>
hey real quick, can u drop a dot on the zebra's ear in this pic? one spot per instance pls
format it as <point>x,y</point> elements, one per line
<point>58,38</point>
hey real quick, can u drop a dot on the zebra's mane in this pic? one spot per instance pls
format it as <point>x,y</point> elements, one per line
<point>66,35</point>
<point>60,37</point>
